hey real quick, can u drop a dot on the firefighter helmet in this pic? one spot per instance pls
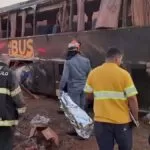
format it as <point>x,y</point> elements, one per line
<point>74,45</point>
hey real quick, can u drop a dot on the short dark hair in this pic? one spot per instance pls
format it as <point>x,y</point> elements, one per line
<point>112,52</point>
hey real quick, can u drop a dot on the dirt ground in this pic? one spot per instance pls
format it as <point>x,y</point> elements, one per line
<point>48,107</point>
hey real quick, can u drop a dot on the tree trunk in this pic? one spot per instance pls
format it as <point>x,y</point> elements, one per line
<point>81,14</point>
<point>108,13</point>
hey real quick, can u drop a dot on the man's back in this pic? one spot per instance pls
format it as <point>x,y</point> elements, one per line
<point>114,98</point>
<point>109,82</point>
<point>79,68</point>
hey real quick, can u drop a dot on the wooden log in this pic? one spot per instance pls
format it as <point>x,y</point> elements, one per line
<point>81,15</point>
<point>108,13</point>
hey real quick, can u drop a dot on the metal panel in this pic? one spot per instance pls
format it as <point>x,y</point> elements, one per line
<point>133,41</point>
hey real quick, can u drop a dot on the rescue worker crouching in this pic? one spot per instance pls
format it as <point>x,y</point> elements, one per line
<point>76,70</point>
<point>11,103</point>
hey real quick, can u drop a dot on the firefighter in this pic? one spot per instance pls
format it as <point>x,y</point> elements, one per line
<point>76,69</point>
<point>114,96</point>
<point>11,103</point>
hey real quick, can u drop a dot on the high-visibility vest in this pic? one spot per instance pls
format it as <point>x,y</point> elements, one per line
<point>111,87</point>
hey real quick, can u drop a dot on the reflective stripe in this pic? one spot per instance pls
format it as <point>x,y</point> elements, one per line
<point>88,88</point>
<point>16,91</point>
<point>7,91</point>
<point>8,123</point>
<point>109,95</point>
<point>130,91</point>
<point>4,91</point>
<point>22,110</point>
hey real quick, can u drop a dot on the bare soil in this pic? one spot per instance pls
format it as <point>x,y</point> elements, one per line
<point>48,107</point>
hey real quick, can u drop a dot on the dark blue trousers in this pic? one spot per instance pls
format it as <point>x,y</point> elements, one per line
<point>6,138</point>
<point>107,134</point>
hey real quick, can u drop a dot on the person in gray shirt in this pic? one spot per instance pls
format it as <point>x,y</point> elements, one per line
<point>76,70</point>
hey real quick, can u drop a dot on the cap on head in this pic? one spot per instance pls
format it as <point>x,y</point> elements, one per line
<point>74,45</point>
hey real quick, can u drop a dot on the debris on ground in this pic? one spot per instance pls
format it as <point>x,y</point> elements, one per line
<point>48,108</point>
<point>40,120</point>
<point>146,118</point>
<point>27,91</point>
<point>50,134</point>
<point>47,133</point>
<point>31,148</point>
<point>43,135</point>
<point>17,134</point>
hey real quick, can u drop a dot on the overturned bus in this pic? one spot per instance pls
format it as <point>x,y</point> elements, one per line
<point>40,31</point>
